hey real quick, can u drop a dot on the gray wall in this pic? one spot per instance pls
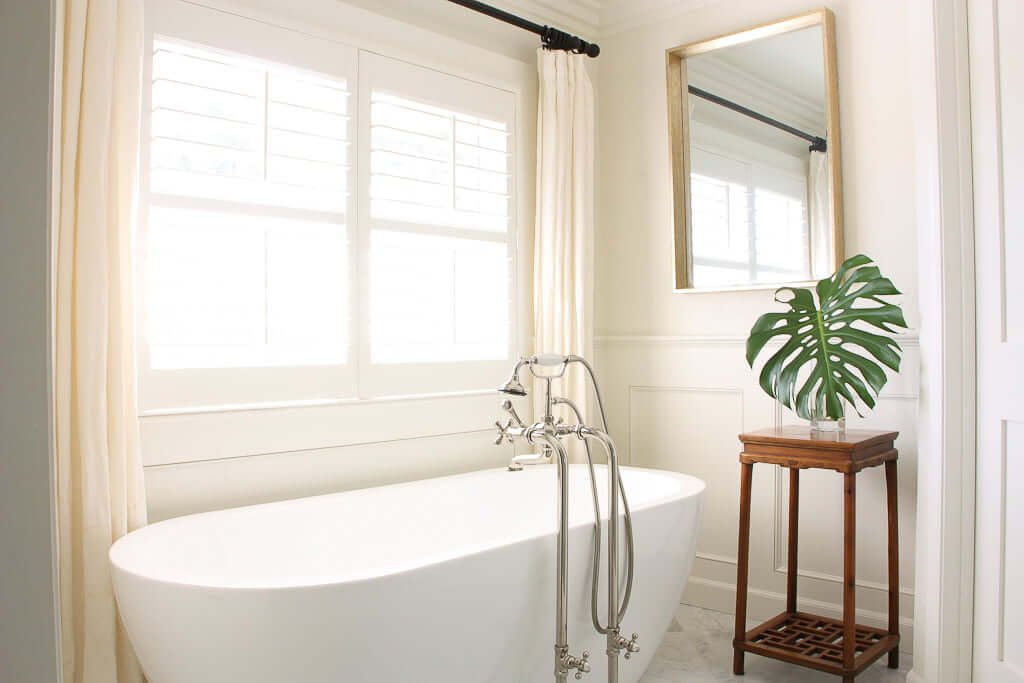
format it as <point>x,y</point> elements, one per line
<point>28,640</point>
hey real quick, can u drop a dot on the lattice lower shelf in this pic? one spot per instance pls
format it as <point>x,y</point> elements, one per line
<point>817,642</point>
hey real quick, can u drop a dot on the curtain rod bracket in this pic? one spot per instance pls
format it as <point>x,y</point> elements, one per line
<point>555,39</point>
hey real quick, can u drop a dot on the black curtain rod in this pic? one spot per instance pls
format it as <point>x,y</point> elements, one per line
<point>552,38</point>
<point>818,144</point>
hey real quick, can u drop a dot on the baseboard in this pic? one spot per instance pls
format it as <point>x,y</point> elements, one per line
<point>914,677</point>
<point>762,604</point>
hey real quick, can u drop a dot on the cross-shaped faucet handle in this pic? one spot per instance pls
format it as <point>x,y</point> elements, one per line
<point>503,435</point>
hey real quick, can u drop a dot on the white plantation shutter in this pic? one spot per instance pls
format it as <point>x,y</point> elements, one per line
<point>439,234</point>
<point>231,129</point>
<point>245,252</point>
<point>317,223</point>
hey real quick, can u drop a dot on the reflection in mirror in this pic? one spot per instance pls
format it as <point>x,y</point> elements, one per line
<point>759,157</point>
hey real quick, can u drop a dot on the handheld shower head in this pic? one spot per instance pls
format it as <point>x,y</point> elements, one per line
<point>513,387</point>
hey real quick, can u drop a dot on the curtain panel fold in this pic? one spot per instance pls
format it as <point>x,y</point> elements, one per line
<point>564,235</point>
<point>100,495</point>
<point>819,215</point>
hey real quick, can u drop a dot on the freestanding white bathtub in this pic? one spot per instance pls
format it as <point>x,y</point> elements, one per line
<point>447,580</point>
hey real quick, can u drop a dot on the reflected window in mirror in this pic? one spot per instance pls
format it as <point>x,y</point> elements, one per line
<point>755,156</point>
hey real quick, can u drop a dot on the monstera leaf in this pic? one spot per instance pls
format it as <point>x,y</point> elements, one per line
<point>830,352</point>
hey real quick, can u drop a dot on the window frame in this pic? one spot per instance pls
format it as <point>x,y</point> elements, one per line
<point>423,84</point>
<point>165,393</point>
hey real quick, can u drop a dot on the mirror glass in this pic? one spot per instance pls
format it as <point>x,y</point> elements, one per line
<point>756,155</point>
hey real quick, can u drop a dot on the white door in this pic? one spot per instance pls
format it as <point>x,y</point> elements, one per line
<point>997,110</point>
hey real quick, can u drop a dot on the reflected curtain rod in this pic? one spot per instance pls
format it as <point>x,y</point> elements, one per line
<point>818,144</point>
<point>552,38</point>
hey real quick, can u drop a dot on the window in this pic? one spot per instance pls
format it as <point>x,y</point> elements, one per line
<point>316,230</point>
<point>750,222</point>
<point>438,221</point>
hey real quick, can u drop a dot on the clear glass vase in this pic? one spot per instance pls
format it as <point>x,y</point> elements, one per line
<point>821,423</point>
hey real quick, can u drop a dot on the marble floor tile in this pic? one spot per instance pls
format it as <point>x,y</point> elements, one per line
<point>698,649</point>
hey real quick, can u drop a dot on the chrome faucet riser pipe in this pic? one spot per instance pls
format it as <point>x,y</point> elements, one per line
<point>588,434</point>
<point>562,562</point>
<point>595,562</point>
<point>612,649</point>
<point>549,402</point>
<point>563,660</point>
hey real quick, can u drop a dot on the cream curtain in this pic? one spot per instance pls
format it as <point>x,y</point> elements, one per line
<point>563,240</point>
<point>819,215</point>
<point>100,494</point>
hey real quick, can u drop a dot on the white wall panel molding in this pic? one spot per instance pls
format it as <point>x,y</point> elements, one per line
<point>721,559</point>
<point>192,437</point>
<point>185,488</point>
<point>907,339</point>
<point>905,591</point>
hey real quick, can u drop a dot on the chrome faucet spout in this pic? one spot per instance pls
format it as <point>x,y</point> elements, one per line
<point>520,461</point>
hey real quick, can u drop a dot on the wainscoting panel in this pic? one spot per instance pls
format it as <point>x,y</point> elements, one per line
<point>188,487</point>
<point>670,427</point>
<point>679,403</point>
<point>1011,628</point>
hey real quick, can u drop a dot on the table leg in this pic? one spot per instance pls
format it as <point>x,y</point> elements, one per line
<point>794,515</point>
<point>742,568</point>
<point>849,572</point>
<point>894,559</point>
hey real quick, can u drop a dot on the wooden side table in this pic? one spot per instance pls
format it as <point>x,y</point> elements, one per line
<point>843,648</point>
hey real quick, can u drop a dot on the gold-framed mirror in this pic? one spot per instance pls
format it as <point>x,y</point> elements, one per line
<point>754,130</point>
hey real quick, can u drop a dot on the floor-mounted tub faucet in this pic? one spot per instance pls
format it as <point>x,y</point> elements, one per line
<point>547,433</point>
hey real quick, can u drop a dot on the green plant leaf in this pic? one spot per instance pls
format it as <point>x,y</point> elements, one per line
<point>833,348</point>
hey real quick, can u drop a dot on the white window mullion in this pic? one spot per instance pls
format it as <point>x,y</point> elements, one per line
<point>265,121</point>
<point>362,229</point>
<point>454,164</point>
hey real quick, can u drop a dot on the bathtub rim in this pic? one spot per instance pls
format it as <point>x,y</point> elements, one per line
<point>693,488</point>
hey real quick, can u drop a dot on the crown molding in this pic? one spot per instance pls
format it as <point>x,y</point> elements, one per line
<point>580,17</point>
<point>589,19</point>
<point>594,19</point>
<point>768,98</point>
<point>620,16</point>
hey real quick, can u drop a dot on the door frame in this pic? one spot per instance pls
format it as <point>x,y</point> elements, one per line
<point>944,605</point>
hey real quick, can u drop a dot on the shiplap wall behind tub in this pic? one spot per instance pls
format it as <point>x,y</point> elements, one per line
<point>672,364</point>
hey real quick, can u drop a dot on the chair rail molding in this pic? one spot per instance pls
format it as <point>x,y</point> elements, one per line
<point>944,579</point>
<point>907,339</point>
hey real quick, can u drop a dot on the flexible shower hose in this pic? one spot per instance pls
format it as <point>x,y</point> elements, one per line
<point>596,574</point>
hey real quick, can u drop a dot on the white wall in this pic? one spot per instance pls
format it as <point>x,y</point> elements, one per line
<point>672,363</point>
<point>208,461</point>
<point>28,641</point>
